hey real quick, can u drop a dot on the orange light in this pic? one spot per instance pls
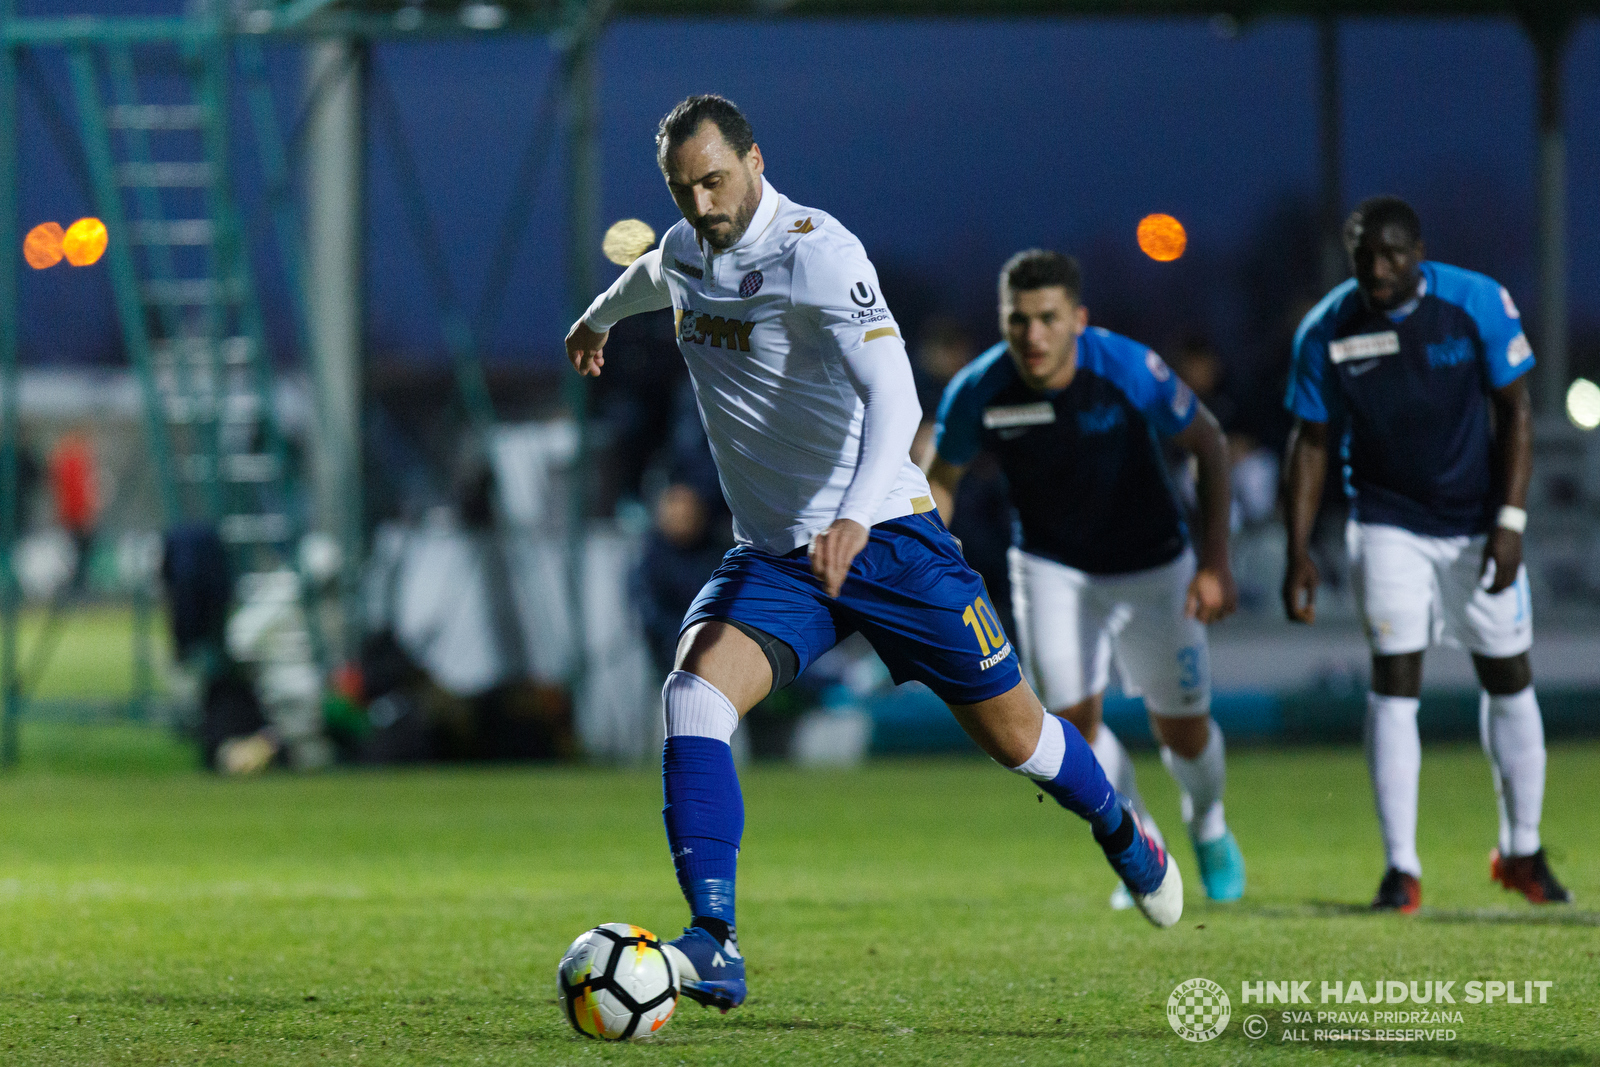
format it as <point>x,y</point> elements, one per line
<point>1161,237</point>
<point>84,242</point>
<point>42,247</point>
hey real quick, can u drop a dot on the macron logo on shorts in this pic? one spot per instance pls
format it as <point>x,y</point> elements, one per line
<point>990,661</point>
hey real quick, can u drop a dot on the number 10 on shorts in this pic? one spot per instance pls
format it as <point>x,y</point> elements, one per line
<point>985,626</point>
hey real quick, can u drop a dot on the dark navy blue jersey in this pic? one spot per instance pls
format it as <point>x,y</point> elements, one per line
<point>1412,388</point>
<point>1087,476</point>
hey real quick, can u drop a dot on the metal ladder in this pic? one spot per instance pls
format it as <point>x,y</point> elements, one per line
<point>154,126</point>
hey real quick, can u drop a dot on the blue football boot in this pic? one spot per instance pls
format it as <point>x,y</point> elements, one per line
<point>1147,869</point>
<point>1221,867</point>
<point>709,971</point>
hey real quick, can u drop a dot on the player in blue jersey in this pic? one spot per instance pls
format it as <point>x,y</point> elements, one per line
<point>810,408</point>
<point>1102,564</point>
<point>1425,365</point>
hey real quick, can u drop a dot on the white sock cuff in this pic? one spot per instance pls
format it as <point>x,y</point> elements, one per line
<point>1521,702</point>
<point>696,708</point>
<point>1378,704</point>
<point>1045,763</point>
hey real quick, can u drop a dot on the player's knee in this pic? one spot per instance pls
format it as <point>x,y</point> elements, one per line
<point>1186,735</point>
<point>1397,676</point>
<point>1504,676</point>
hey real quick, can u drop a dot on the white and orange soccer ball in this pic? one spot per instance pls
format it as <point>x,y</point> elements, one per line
<point>616,983</point>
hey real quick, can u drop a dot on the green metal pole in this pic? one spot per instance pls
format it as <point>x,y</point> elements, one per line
<point>124,276</point>
<point>581,74</point>
<point>10,690</point>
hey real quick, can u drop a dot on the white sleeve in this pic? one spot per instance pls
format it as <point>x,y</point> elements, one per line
<point>835,278</point>
<point>881,373</point>
<point>641,288</point>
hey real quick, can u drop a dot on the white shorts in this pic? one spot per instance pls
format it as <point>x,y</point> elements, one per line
<point>1414,591</point>
<point>1070,623</point>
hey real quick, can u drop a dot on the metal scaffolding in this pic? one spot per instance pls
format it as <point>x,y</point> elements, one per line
<point>322,262</point>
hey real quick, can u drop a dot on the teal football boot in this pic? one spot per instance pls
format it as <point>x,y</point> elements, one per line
<point>1221,867</point>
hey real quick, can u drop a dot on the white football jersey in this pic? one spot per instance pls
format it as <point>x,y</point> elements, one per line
<point>783,334</point>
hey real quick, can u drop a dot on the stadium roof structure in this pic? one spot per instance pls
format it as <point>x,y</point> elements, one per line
<point>410,18</point>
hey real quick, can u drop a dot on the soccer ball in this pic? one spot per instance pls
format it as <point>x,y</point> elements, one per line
<point>616,983</point>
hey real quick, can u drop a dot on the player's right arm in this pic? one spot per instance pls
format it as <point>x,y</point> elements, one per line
<point>1305,467</point>
<point>642,287</point>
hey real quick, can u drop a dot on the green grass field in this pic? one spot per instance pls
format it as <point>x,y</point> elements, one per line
<point>916,913</point>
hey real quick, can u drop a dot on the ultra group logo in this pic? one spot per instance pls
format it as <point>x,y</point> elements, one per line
<point>1199,1009</point>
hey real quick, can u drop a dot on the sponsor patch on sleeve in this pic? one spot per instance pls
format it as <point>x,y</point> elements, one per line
<point>1519,351</point>
<point>1182,400</point>
<point>1510,305</point>
<point>1156,365</point>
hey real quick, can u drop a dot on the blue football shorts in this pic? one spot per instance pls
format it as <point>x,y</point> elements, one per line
<point>910,593</point>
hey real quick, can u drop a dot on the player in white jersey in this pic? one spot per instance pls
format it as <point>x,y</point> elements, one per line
<point>808,401</point>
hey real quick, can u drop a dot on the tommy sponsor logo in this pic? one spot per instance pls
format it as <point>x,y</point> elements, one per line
<point>862,296</point>
<point>750,285</point>
<point>714,330</point>
<point>1010,416</point>
<point>693,272</point>
<point>1364,346</point>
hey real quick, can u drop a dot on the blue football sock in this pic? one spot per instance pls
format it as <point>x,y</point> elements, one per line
<point>705,821</point>
<point>1081,787</point>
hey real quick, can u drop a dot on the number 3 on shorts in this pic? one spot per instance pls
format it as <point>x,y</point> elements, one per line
<point>1189,667</point>
<point>985,626</point>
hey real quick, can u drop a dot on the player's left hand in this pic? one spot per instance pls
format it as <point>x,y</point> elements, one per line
<point>1213,595</point>
<point>833,550</point>
<point>1504,550</point>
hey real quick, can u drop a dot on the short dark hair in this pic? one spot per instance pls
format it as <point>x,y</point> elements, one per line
<point>1376,212</point>
<point>1039,268</point>
<point>684,121</point>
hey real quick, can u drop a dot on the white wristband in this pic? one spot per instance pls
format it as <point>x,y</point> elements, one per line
<point>1513,519</point>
